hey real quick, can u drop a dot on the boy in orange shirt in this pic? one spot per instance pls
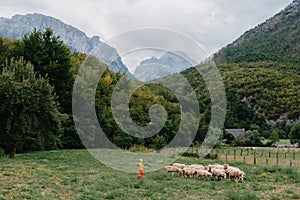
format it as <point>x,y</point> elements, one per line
<point>141,169</point>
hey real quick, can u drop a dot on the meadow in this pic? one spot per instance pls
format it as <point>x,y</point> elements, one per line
<point>75,174</point>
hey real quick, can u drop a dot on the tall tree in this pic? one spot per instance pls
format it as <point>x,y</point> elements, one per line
<point>51,58</point>
<point>295,134</point>
<point>27,108</point>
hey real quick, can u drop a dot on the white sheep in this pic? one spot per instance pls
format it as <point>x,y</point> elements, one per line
<point>201,172</point>
<point>234,172</point>
<point>229,168</point>
<point>216,166</point>
<point>173,169</point>
<point>197,166</point>
<point>237,175</point>
<point>188,171</point>
<point>179,165</point>
<point>218,173</point>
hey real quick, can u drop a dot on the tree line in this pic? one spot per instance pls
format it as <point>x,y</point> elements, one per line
<point>37,75</point>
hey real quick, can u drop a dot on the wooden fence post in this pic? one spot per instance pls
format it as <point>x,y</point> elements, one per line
<point>254,158</point>
<point>244,159</point>
<point>241,152</point>
<point>291,164</point>
<point>294,155</point>
<point>269,154</point>
<point>267,162</point>
<point>234,151</point>
<point>277,159</point>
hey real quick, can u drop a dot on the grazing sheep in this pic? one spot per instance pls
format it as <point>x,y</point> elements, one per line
<point>234,172</point>
<point>179,165</point>
<point>173,169</point>
<point>204,173</point>
<point>242,175</point>
<point>228,168</point>
<point>216,166</point>
<point>218,173</point>
<point>197,166</point>
<point>216,170</point>
<point>237,175</point>
<point>188,171</point>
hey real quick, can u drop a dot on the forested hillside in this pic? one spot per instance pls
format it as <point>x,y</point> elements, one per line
<point>277,40</point>
<point>261,71</point>
<point>261,74</point>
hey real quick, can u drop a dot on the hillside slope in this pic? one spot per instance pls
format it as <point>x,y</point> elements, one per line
<point>277,39</point>
<point>261,73</point>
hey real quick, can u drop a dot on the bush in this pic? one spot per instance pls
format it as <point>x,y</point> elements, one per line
<point>140,148</point>
<point>211,156</point>
<point>190,154</point>
<point>159,142</point>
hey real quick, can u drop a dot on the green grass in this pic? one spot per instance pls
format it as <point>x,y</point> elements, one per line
<point>75,174</point>
<point>281,141</point>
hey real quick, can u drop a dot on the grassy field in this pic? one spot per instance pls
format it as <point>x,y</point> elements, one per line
<point>75,174</point>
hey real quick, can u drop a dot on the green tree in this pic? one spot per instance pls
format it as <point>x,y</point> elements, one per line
<point>51,58</point>
<point>250,138</point>
<point>159,142</point>
<point>28,110</point>
<point>295,134</point>
<point>274,137</point>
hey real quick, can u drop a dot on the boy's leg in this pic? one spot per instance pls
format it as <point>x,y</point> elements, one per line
<point>141,174</point>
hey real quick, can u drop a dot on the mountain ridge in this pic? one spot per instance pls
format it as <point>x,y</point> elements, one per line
<point>75,39</point>
<point>166,64</point>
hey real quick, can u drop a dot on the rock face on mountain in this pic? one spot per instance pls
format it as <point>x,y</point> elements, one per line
<point>168,63</point>
<point>19,25</point>
<point>277,39</point>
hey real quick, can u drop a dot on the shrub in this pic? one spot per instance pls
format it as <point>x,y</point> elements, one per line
<point>140,148</point>
<point>159,142</point>
<point>190,154</point>
<point>211,156</point>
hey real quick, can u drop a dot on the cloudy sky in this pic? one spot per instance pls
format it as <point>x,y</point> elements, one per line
<point>212,23</point>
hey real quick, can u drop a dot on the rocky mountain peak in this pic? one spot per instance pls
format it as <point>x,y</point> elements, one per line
<point>19,25</point>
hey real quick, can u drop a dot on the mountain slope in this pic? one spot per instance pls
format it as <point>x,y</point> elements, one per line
<point>261,73</point>
<point>19,25</point>
<point>168,63</point>
<point>277,39</point>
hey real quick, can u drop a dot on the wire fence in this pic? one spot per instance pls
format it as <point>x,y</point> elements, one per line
<point>281,157</point>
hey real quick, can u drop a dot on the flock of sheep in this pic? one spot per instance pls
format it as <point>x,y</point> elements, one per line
<point>216,171</point>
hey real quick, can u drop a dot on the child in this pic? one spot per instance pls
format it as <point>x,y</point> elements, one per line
<point>141,169</point>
